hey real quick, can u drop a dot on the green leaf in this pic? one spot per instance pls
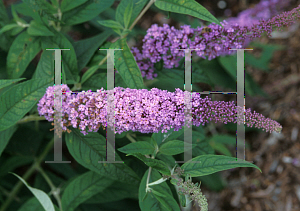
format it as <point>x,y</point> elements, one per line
<point>37,29</point>
<point>14,13</point>
<point>127,66</point>
<point>142,147</point>
<point>213,181</point>
<point>120,16</point>
<point>45,67</point>
<point>86,11</point>
<point>148,201</point>
<point>5,83</point>
<point>20,54</point>
<point>67,5</point>
<point>100,80</point>
<point>88,150</point>
<point>68,56</point>
<point>111,24</point>
<point>89,73</point>
<point>220,148</point>
<point>115,192</point>
<point>8,27</point>
<point>209,164</point>
<point>27,8</point>
<point>174,147</point>
<point>127,14</point>
<point>3,14</point>
<point>182,200</point>
<point>216,74</point>
<point>41,196</point>
<point>267,53</point>
<point>229,140</point>
<point>5,137</point>
<point>16,30</point>
<point>82,188</point>
<point>33,205</point>
<point>86,48</point>
<point>229,63</point>
<point>187,7</point>
<point>14,162</point>
<point>157,164</point>
<point>19,99</point>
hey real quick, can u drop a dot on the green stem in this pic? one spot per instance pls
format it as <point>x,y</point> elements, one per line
<point>28,173</point>
<point>31,118</point>
<point>55,191</point>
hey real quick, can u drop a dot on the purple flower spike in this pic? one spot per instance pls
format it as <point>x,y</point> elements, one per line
<point>161,43</point>
<point>144,111</point>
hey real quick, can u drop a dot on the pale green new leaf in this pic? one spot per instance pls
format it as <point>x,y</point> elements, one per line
<point>187,7</point>
<point>33,205</point>
<point>8,27</point>
<point>43,198</point>
<point>208,164</point>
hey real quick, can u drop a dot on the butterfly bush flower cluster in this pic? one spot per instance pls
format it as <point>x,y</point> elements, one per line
<point>144,111</point>
<point>265,9</point>
<point>162,43</point>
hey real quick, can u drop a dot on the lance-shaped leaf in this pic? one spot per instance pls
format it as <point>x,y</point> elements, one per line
<point>121,14</point>
<point>209,164</point>
<point>33,205</point>
<point>187,7</point>
<point>142,147</point>
<point>69,59</point>
<point>148,201</point>
<point>37,29</point>
<point>82,188</point>
<point>86,11</point>
<point>41,196</point>
<point>88,150</point>
<point>157,164</point>
<point>127,66</point>
<point>45,67</point>
<point>86,48</point>
<point>20,54</point>
<point>174,147</point>
<point>5,83</point>
<point>67,5</point>
<point>20,99</point>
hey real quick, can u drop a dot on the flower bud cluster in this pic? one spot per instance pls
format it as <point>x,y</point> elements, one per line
<point>188,187</point>
<point>144,111</point>
<point>162,43</point>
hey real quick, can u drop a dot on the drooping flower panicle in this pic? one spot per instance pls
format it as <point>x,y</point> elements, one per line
<point>161,43</point>
<point>144,111</point>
